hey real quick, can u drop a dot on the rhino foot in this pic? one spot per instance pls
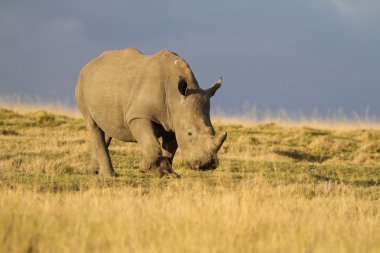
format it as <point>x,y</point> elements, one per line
<point>172,174</point>
<point>92,170</point>
<point>162,173</point>
<point>115,174</point>
<point>163,169</point>
<point>107,174</point>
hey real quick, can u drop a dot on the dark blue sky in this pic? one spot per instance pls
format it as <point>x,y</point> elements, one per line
<point>295,54</point>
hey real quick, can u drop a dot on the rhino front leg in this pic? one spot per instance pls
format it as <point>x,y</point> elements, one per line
<point>169,146</point>
<point>100,158</point>
<point>153,163</point>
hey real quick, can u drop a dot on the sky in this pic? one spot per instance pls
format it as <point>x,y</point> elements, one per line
<point>296,54</point>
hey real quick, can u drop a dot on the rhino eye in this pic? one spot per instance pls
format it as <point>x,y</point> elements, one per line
<point>189,133</point>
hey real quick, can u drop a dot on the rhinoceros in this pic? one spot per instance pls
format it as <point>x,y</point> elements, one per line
<point>133,97</point>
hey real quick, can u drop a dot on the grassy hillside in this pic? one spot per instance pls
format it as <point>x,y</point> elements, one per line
<point>284,188</point>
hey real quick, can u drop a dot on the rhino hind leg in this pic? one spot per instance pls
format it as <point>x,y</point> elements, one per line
<point>100,158</point>
<point>153,163</point>
<point>108,140</point>
<point>94,164</point>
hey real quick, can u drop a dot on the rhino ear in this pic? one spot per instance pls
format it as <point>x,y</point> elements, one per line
<point>211,91</point>
<point>182,86</point>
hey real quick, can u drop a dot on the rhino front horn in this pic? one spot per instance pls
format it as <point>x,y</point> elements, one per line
<point>219,141</point>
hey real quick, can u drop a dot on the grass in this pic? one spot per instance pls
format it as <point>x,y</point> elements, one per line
<point>279,188</point>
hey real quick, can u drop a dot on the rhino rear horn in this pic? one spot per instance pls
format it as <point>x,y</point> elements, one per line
<point>211,91</point>
<point>218,142</point>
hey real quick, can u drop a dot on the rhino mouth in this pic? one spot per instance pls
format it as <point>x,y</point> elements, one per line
<point>211,165</point>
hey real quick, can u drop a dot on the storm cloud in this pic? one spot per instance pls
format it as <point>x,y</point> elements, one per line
<point>297,54</point>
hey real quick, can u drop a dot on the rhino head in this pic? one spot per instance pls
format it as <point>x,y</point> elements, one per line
<point>194,132</point>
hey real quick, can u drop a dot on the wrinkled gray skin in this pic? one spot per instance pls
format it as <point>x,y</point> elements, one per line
<point>132,97</point>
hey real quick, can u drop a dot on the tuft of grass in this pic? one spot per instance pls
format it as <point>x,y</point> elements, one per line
<point>279,187</point>
<point>8,132</point>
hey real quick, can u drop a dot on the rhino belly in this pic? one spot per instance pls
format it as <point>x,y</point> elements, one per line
<point>119,133</point>
<point>112,123</point>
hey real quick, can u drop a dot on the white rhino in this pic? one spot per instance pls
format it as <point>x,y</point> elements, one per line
<point>132,97</point>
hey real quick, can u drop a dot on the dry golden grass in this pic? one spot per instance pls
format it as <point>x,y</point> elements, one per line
<point>279,188</point>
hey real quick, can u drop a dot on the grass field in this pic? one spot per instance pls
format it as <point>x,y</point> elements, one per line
<point>279,188</point>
